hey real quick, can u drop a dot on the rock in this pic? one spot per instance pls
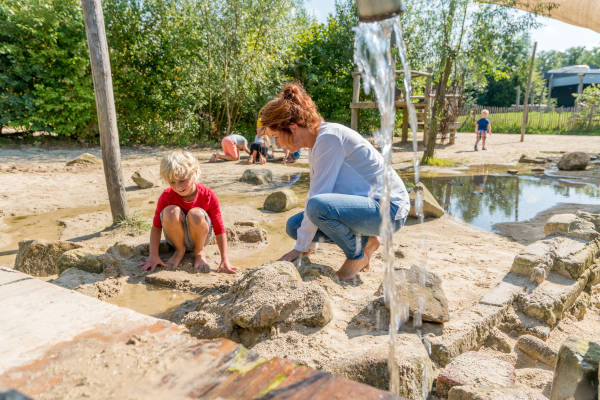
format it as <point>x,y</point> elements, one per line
<point>559,224</point>
<point>252,235</point>
<point>257,176</point>
<point>368,364</point>
<point>499,341</point>
<point>39,257</point>
<point>537,349</point>
<point>576,372</point>
<point>84,259</point>
<point>581,305</point>
<point>142,181</point>
<point>479,392</point>
<point>281,200</point>
<point>474,368</point>
<point>538,170</point>
<point>577,160</point>
<point>513,171</point>
<point>270,295</point>
<point>252,224</point>
<point>571,225</point>
<point>85,159</point>
<point>431,208</point>
<point>90,284</point>
<point>525,159</point>
<point>422,289</point>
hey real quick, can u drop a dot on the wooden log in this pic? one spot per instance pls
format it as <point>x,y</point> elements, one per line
<point>105,108</point>
<point>355,99</point>
<point>526,99</point>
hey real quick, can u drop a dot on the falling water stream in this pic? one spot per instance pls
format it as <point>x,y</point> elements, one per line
<point>375,60</point>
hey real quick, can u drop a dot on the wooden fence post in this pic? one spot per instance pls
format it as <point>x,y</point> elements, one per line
<point>105,107</point>
<point>526,100</point>
<point>355,99</point>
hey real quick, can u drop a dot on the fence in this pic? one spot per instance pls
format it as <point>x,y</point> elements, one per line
<point>541,119</point>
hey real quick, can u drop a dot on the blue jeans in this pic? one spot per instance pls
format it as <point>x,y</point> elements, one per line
<point>345,220</point>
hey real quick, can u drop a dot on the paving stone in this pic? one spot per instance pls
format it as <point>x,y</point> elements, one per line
<point>473,368</point>
<point>479,392</point>
<point>549,301</point>
<point>576,372</point>
<point>506,291</point>
<point>466,331</point>
<point>538,349</point>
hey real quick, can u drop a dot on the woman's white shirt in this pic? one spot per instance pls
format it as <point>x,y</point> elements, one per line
<point>342,161</point>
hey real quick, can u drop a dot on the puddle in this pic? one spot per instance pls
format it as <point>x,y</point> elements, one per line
<point>150,299</point>
<point>483,199</point>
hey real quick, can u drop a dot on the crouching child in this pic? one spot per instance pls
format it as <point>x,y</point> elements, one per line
<point>189,215</point>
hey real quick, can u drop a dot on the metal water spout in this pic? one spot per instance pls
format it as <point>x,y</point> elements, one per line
<point>377,10</point>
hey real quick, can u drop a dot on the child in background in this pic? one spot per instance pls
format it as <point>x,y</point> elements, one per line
<point>482,129</point>
<point>231,145</point>
<point>259,148</point>
<point>187,212</point>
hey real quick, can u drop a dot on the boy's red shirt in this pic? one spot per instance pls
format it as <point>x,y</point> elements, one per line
<point>205,199</point>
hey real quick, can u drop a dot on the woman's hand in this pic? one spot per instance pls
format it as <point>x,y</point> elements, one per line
<point>151,263</point>
<point>226,267</point>
<point>291,256</point>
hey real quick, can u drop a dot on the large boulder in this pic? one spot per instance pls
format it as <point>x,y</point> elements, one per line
<point>273,294</point>
<point>422,290</point>
<point>39,257</point>
<point>576,372</point>
<point>255,176</point>
<point>431,208</point>
<point>281,200</point>
<point>474,368</point>
<point>143,181</point>
<point>576,160</point>
<point>84,160</point>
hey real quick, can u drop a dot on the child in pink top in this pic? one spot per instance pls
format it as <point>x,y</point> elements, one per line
<point>188,213</point>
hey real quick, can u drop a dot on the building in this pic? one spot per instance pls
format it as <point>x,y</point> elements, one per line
<point>566,81</point>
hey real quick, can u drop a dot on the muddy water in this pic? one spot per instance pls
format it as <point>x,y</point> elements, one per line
<point>150,299</point>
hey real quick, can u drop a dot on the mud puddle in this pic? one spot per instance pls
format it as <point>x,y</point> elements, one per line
<point>150,299</point>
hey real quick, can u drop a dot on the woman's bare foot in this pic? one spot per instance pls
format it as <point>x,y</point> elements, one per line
<point>370,248</point>
<point>351,268</point>
<point>250,160</point>
<point>200,263</point>
<point>175,259</point>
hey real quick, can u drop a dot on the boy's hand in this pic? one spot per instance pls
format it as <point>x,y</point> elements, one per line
<point>226,267</point>
<point>151,263</point>
<point>291,256</point>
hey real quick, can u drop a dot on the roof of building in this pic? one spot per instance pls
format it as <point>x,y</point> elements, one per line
<point>569,75</point>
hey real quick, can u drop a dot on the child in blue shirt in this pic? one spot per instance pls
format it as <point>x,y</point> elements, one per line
<point>482,129</point>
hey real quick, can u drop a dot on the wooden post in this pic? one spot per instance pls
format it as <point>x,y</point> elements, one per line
<point>518,100</point>
<point>579,91</point>
<point>550,91</point>
<point>355,99</point>
<point>525,101</point>
<point>427,105</point>
<point>105,107</point>
<point>405,124</point>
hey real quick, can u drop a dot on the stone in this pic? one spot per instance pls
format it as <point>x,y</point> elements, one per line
<point>576,372</point>
<point>550,300</point>
<point>474,368</point>
<point>538,170</point>
<point>499,341</point>
<point>251,224</point>
<point>90,284</point>
<point>479,392</point>
<point>84,259</point>
<point>537,349</point>
<point>571,225</point>
<point>422,290</point>
<point>281,200</point>
<point>85,159</point>
<point>142,181</point>
<point>466,331</point>
<point>431,207</point>
<point>368,363</point>
<point>559,224</point>
<point>256,176</point>
<point>525,159</point>
<point>594,278</point>
<point>513,171</point>
<point>576,160</point>
<point>506,291</point>
<point>252,235</point>
<point>273,294</point>
<point>538,255</point>
<point>190,282</point>
<point>39,257</point>
<point>581,306</point>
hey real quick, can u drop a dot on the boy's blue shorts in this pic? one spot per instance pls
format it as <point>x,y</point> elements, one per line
<point>296,155</point>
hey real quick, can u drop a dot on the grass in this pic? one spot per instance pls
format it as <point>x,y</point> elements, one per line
<point>440,162</point>
<point>135,223</point>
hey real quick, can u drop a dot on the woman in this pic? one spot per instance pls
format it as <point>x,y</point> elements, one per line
<point>346,172</point>
<point>231,145</point>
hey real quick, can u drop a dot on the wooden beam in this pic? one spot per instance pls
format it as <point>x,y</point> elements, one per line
<point>105,107</point>
<point>526,100</point>
<point>355,99</point>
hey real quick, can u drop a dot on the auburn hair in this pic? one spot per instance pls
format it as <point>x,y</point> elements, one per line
<point>292,106</point>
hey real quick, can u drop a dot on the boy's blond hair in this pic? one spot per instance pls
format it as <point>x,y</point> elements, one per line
<point>178,165</point>
<point>485,112</point>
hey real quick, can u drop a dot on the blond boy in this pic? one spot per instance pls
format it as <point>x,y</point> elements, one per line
<point>483,127</point>
<point>189,214</point>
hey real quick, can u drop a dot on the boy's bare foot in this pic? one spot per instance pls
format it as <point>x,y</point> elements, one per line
<point>175,259</point>
<point>370,248</point>
<point>262,160</point>
<point>351,268</point>
<point>200,263</point>
<point>213,158</point>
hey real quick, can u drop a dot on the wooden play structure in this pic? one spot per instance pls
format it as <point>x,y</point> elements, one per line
<point>423,105</point>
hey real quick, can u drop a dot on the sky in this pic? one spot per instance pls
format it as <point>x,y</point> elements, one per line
<point>553,35</point>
